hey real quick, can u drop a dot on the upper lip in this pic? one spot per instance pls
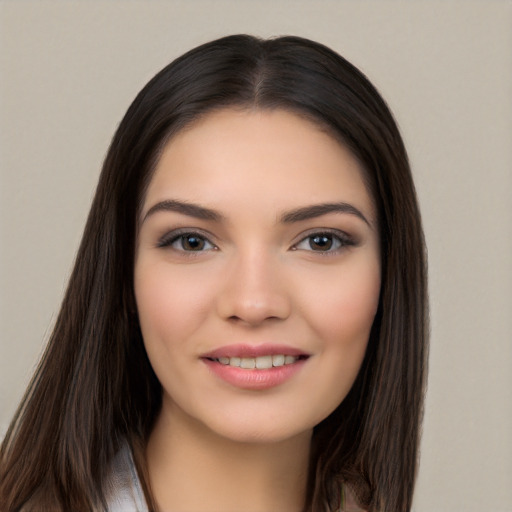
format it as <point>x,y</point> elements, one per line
<point>245,350</point>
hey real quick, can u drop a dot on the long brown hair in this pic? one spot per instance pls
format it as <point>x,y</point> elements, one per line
<point>94,387</point>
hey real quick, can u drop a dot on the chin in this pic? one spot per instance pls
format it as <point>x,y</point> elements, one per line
<point>251,430</point>
<point>262,434</point>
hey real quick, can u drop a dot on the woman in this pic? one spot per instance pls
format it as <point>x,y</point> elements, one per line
<point>245,325</point>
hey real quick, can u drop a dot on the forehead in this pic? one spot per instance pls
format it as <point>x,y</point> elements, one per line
<point>275,158</point>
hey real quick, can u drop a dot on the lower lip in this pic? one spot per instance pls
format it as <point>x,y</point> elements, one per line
<point>254,379</point>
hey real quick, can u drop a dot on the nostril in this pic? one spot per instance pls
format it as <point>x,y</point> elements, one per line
<point>253,320</point>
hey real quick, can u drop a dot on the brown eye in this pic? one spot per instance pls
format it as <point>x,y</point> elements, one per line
<point>326,242</point>
<point>192,242</point>
<point>186,242</point>
<point>321,242</point>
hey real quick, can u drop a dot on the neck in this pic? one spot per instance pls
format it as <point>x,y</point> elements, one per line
<point>191,468</point>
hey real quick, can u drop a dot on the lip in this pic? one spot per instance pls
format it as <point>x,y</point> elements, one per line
<point>254,379</point>
<point>246,350</point>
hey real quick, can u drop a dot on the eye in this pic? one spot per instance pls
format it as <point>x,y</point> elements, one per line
<point>187,242</point>
<point>324,242</point>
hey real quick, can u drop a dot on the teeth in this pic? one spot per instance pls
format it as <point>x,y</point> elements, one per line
<point>248,363</point>
<point>264,362</point>
<point>261,362</point>
<point>278,360</point>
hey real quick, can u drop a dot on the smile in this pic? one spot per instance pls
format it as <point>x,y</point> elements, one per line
<point>258,363</point>
<point>255,367</point>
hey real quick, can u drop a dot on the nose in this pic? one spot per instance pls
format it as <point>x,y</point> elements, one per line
<point>254,290</point>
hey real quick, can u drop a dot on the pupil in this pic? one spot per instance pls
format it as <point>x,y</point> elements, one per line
<point>322,242</point>
<point>192,243</point>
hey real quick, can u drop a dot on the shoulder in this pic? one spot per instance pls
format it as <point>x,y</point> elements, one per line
<point>122,485</point>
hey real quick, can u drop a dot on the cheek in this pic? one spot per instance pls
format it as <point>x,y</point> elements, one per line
<point>341,316</point>
<point>170,306</point>
<point>342,320</point>
<point>347,302</point>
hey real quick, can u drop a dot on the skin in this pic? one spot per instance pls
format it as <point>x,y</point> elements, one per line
<point>251,278</point>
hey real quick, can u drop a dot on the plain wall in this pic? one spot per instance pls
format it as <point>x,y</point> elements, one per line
<point>68,71</point>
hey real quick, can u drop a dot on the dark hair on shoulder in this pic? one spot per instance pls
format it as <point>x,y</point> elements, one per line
<point>94,386</point>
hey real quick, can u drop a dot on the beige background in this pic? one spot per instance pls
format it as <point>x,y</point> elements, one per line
<point>69,71</point>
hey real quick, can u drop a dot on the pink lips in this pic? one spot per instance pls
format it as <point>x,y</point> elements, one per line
<point>253,351</point>
<point>254,379</point>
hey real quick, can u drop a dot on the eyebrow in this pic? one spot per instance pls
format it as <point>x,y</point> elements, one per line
<point>189,209</point>
<point>297,215</point>
<point>317,210</point>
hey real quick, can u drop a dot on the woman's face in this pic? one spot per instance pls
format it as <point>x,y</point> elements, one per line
<point>257,274</point>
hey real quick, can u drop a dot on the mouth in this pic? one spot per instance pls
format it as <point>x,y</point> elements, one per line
<point>253,367</point>
<point>265,362</point>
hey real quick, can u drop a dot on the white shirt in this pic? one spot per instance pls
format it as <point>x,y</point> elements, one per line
<point>123,486</point>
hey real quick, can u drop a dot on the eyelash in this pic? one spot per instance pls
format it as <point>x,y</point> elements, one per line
<point>338,238</point>
<point>170,238</point>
